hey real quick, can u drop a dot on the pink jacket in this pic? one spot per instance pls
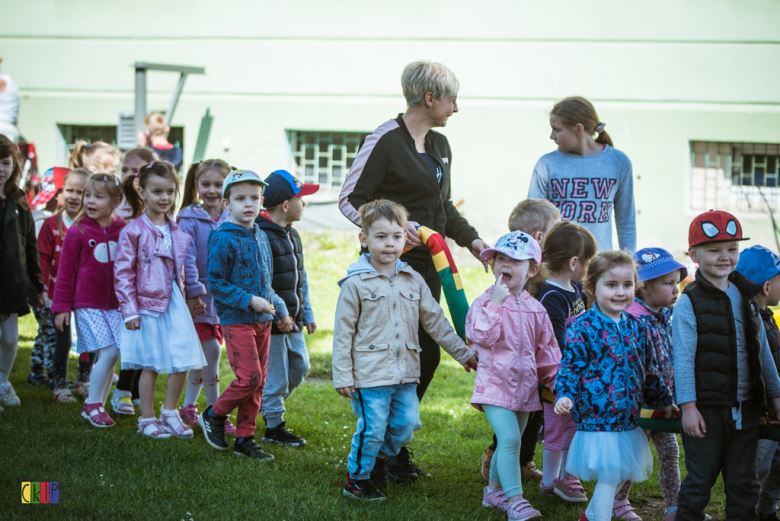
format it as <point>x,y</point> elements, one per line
<point>144,269</point>
<point>517,351</point>
<point>85,277</point>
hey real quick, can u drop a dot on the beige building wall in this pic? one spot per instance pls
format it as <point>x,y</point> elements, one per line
<point>661,75</point>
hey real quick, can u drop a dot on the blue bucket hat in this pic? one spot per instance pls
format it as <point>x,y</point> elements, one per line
<point>652,263</point>
<point>758,263</point>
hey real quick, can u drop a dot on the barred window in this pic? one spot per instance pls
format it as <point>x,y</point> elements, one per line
<point>737,177</point>
<point>324,158</point>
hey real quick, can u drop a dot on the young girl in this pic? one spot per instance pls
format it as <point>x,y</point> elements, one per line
<point>20,271</point>
<point>607,370</point>
<point>95,157</point>
<point>516,348</point>
<point>159,336</point>
<point>586,178</point>
<point>567,250</point>
<point>125,398</point>
<point>659,275</point>
<point>50,242</point>
<point>85,284</point>
<point>201,213</point>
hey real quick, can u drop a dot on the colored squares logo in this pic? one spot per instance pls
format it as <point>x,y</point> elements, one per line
<point>40,492</point>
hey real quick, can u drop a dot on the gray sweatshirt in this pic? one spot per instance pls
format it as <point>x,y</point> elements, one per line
<point>589,190</point>
<point>684,342</point>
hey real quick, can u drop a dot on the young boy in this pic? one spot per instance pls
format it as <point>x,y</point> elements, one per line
<point>724,374</point>
<point>240,269</point>
<point>536,217</point>
<point>763,267</point>
<point>288,360</point>
<point>376,356</point>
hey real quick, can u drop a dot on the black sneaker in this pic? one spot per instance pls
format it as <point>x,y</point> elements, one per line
<point>36,380</point>
<point>213,429</point>
<point>283,436</point>
<point>251,449</point>
<point>379,473</point>
<point>362,489</point>
<point>402,469</point>
<point>769,517</point>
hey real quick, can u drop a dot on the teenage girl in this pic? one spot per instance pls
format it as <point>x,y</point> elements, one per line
<point>125,399</point>
<point>159,336</point>
<point>567,250</point>
<point>515,343</point>
<point>85,284</point>
<point>201,213</point>
<point>50,242</point>
<point>20,270</point>
<point>586,178</point>
<point>607,370</point>
<point>95,157</point>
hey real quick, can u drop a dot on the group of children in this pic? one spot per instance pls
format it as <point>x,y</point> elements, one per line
<point>160,291</point>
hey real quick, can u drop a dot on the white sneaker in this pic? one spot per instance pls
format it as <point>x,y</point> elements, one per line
<point>8,396</point>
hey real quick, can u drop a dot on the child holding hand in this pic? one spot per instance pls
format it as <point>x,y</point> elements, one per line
<point>513,337</point>
<point>607,369</point>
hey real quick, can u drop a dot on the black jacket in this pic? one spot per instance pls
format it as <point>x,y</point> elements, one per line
<point>388,166</point>
<point>289,274</point>
<point>20,269</point>
<point>716,348</point>
<point>772,335</point>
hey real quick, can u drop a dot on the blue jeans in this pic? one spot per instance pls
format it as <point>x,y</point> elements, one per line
<point>288,365</point>
<point>387,418</point>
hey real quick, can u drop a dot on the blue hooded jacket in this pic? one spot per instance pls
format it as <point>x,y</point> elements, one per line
<point>240,266</point>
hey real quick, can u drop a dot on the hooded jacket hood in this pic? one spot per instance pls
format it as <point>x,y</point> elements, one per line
<point>363,265</point>
<point>196,211</point>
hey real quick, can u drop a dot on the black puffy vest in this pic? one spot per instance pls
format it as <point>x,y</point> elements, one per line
<point>287,251</point>
<point>716,348</point>
<point>772,335</point>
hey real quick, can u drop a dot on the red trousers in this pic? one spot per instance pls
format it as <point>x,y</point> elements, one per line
<point>247,350</point>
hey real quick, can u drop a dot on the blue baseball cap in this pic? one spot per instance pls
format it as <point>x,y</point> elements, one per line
<point>758,263</point>
<point>283,186</point>
<point>242,176</point>
<point>652,263</point>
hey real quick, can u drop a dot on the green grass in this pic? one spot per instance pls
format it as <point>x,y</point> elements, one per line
<point>116,474</point>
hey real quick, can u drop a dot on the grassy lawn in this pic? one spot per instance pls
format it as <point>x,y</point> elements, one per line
<point>116,474</point>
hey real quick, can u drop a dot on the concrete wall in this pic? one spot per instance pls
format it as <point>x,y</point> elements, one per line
<point>660,75</point>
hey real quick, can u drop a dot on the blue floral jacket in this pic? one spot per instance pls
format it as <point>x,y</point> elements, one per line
<point>609,371</point>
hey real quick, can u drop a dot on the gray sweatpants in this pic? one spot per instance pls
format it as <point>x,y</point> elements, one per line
<point>768,470</point>
<point>288,365</point>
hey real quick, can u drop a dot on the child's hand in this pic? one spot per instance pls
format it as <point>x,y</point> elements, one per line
<point>500,292</point>
<point>40,301</point>
<point>285,324</point>
<point>470,363</point>
<point>563,406</point>
<point>774,408</point>
<point>60,319</point>
<point>134,324</point>
<point>197,307</point>
<point>692,422</point>
<point>346,392</point>
<point>311,328</point>
<point>261,305</point>
<point>669,411</point>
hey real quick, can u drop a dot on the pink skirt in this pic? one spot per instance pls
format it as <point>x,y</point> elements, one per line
<point>559,430</point>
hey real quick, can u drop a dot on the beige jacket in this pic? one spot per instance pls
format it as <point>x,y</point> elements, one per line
<point>375,338</point>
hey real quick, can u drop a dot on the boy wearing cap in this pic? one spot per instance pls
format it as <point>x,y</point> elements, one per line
<point>763,267</point>
<point>376,351</point>
<point>723,371</point>
<point>288,360</point>
<point>240,269</point>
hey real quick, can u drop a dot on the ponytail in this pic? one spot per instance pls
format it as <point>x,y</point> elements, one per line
<point>603,138</point>
<point>579,111</point>
<point>190,196</point>
<point>97,157</point>
<point>77,156</point>
<point>131,196</point>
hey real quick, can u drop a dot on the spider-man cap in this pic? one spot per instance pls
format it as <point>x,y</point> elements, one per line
<point>714,226</point>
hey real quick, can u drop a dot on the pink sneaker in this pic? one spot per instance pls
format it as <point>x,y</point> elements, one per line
<point>546,491</point>
<point>189,415</point>
<point>97,415</point>
<point>622,510</point>
<point>495,499</point>
<point>229,427</point>
<point>570,489</point>
<point>521,510</point>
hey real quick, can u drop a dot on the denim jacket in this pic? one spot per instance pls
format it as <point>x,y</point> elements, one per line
<point>609,371</point>
<point>239,267</point>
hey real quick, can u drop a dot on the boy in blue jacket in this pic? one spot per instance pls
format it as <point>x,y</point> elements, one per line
<point>240,270</point>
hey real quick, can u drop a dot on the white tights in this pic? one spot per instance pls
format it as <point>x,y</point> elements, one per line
<point>600,506</point>
<point>9,342</point>
<point>206,378</point>
<point>102,374</point>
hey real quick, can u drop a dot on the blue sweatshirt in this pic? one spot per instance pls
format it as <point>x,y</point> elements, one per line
<point>240,266</point>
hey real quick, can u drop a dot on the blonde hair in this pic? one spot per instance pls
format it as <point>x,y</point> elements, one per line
<point>533,215</point>
<point>602,263</point>
<point>155,123</point>
<point>79,171</point>
<point>142,153</point>
<point>578,110</point>
<point>196,170</point>
<point>425,76</point>
<point>382,209</point>
<point>93,155</point>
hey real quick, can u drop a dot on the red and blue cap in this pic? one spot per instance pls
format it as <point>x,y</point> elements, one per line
<point>282,185</point>
<point>759,264</point>
<point>714,226</point>
<point>53,180</point>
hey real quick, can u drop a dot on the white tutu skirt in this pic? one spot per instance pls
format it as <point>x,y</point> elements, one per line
<point>610,457</point>
<point>167,343</point>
